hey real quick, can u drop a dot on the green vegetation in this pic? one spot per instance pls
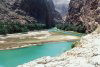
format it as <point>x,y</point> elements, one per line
<point>75,44</point>
<point>35,26</point>
<point>9,27</point>
<point>71,27</point>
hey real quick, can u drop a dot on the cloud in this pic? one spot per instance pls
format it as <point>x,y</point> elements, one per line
<point>61,6</point>
<point>61,1</point>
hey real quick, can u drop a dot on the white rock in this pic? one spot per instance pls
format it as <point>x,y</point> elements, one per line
<point>39,65</point>
<point>95,60</point>
<point>86,55</point>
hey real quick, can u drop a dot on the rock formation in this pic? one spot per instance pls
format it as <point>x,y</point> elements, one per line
<point>86,12</point>
<point>7,14</point>
<point>29,11</point>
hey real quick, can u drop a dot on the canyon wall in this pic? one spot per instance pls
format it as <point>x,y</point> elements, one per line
<point>85,12</point>
<point>24,11</point>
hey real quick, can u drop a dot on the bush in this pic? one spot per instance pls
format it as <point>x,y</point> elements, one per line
<point>36,26</point>
<point>9,27</point>
<point>71,27</point>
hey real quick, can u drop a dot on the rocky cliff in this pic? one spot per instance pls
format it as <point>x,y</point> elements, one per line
<point>7,14</point>
<point>29,11</point>
<point>85,12</point>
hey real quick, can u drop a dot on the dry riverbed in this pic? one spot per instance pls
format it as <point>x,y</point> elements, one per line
<point>12,41</point>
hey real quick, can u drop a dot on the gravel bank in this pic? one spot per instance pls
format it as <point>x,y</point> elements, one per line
<point>87,54</point>
<point>33,38</point>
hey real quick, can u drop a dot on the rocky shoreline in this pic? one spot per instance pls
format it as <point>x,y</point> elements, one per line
<point>86,54</point>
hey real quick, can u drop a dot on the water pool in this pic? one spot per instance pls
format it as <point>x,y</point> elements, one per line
<point>12,58</point>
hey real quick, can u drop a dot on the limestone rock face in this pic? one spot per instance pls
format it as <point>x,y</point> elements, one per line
<point>86,12</point>
<point>7,14</point>
<point>28,11</point>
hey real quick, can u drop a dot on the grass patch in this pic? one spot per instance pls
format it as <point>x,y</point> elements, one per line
<point>75,44</point>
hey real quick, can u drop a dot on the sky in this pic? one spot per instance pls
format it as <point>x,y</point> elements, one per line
<point>61,1</point>
<point>61,6</point>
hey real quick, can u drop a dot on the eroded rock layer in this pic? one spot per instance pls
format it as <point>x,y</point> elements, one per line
<point>86,12</point>
<point>29,11</point>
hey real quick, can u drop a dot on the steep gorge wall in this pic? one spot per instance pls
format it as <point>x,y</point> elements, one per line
<point>29,11</point>
<point>85,12</point>
<point>7,14</point>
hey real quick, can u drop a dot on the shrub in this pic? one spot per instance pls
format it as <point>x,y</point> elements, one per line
<point>9,27</point>
<point>35,26</point>
<point>71,27</point>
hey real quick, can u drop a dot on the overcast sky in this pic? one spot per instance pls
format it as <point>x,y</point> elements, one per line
<point>61,1</point>
<point>61,6</point>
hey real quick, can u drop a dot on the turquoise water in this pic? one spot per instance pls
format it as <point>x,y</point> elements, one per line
<point>12,58</point>
<point>65,32</point>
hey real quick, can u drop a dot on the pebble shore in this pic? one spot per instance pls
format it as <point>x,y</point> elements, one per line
<point>86,54</point>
